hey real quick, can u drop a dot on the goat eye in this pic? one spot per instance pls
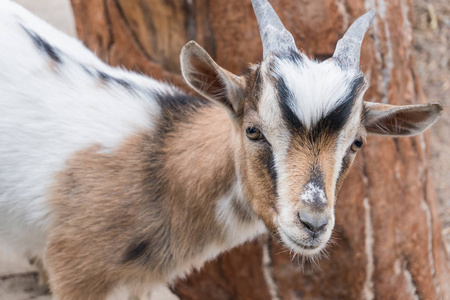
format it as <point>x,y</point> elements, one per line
<point>253,133</point>
<point>357,144</point>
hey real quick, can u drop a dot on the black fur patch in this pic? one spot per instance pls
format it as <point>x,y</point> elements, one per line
<point>335,120</point>
<point>108,78</point>
<point>272,171</point>
<point>286,97</point>
<point>316,178</point>
<point>135,251</point>
<point>265,158</point>
<point>86,69</point>
<point>178,107</point>
<point>344,166</point>
<point>44,46</point>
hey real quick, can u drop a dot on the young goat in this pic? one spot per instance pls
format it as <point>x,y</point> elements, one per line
<point>114,179</point>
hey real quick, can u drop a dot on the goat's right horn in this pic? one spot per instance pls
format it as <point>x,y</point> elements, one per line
<point>275,37</point>
<point>348,48</point>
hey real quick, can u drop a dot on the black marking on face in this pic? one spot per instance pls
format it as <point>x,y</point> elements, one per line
<point>286,97</point>
<point>344,165</point>
<point>135,251</point>
<point>329,125</point>
<point>272,171</point>
<point>335,120</point>
<point>316,179</point>
<point>266,159</point>
<point>316,176</point>
<point>44,46</point>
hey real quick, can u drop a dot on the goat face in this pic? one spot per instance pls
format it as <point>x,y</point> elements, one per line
<point>307,117</point>
<point>297,127</point>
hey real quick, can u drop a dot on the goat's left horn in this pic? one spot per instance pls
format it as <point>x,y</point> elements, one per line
<point>275,37</point>
<point>348,48</point>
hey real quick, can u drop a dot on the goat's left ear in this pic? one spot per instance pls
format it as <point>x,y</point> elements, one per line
<point>205,76</point>
<point>400,120</point>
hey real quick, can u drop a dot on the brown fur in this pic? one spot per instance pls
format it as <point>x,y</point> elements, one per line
<point>259,188</point>
<point>303,159</point>
<point>106,205</point>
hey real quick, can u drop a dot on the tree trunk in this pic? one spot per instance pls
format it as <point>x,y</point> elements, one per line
<point>388,242</point>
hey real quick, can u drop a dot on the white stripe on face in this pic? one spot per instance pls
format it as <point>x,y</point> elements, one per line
<point>317,88</point>
<point>274,129</point>
<point>268,107</point>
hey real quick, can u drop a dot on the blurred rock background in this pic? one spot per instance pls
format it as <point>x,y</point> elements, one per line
<point>432,51</point>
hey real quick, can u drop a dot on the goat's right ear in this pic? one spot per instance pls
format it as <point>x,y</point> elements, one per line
<point>206,77</point>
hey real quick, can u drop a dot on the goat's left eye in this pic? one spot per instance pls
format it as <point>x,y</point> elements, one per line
<point>357,144</point>
<point>253,133</point>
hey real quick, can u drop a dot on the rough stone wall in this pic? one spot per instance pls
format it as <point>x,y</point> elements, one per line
<point>388,242</point>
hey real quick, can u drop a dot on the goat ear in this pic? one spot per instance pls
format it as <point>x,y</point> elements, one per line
<point>400,120</point>
<point>205,76</point>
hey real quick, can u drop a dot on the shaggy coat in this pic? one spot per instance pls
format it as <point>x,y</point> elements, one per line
<point>110,178</point>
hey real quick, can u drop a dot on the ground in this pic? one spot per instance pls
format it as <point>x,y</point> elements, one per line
<point>18,281</point>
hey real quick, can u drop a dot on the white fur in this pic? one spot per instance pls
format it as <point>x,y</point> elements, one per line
<point>269,110</point>
<point>236,231</point>
<point>317,87</point>
<point>48,111</point>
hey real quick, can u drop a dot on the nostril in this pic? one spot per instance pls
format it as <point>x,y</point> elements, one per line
<point>314,224</point>
<point>309,226</point>
<point>322,227</point>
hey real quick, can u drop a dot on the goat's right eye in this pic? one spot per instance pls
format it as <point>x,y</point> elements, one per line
<point>357,144</point>
<point>253,133</point>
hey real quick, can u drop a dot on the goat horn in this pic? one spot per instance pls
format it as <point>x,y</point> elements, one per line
<point>275,37</point>
<point>348,48</point>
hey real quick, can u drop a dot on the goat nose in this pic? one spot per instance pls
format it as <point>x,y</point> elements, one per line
<point>313,224</point>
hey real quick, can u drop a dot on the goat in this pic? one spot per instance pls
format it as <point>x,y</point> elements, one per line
<point>113,179</point>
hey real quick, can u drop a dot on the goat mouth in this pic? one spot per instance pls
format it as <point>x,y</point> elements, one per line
<point>298,243</point>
